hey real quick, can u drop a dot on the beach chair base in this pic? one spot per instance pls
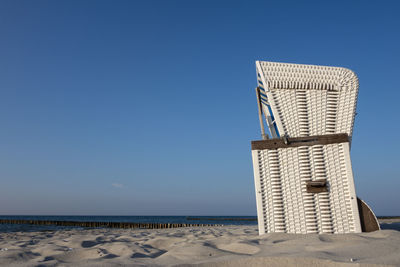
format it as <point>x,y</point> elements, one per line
<point>305,185</point>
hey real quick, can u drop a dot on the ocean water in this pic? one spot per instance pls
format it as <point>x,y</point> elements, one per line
<point>224,220</point>
<point>390,226</point>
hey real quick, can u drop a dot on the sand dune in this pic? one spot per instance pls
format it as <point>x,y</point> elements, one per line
<point>219,246</point>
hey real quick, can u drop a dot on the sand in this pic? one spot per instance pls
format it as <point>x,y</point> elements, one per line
<point>217,246</point>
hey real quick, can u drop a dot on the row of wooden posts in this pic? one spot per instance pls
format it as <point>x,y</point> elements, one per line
<point>127,225</point>
<point>221,219</point>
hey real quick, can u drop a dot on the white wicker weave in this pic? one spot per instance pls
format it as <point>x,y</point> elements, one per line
<point>300,101</point>
<point>283,203</point>
<point>304,100</point>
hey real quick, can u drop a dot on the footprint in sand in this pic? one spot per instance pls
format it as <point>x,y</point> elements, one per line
<point>278,241</point>
<point>48,258</point>
<point>151,255</point>
<point>88,243</point>
<point>239,248</point>
<point>105,254</point>
<point>324,238</point>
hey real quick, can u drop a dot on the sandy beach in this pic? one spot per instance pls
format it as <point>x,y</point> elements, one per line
<point>216,246</point>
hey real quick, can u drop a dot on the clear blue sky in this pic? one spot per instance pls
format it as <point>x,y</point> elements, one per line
<point>148,107</point>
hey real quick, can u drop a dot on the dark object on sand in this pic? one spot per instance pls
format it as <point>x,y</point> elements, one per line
<point>369,222</point>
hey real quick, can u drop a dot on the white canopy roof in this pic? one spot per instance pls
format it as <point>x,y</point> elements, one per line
<point>303,100</point>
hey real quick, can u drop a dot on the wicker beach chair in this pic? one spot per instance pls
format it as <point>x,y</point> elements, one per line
<point>304,180</point>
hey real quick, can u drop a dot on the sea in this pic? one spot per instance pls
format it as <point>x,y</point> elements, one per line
<point>220,220</point>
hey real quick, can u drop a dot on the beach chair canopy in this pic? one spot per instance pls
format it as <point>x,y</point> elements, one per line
<point>304,100</point>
